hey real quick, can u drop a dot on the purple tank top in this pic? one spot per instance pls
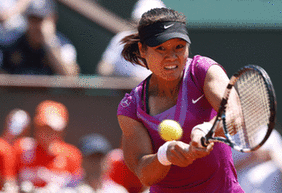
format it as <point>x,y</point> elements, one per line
<point>213,173</point>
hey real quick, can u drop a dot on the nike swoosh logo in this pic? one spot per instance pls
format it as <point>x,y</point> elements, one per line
<point>168,26</point>
<point>195,101</point>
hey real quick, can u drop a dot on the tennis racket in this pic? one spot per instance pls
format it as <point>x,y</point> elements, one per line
<point>247,111</point>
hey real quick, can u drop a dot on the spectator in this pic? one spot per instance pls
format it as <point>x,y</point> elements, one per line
<point>120,173</point>
<point>112,63</point>
<point>94,148</point>
<point>41,50</point>
<point>12,20</point>
<point>47,162</point>
<point>261,171</point>
<point>17,123</point>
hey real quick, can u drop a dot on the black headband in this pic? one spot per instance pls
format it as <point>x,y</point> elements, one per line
<point>159,32</point>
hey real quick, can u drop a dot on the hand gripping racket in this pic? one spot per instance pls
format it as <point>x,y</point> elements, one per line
<point>247,110</point>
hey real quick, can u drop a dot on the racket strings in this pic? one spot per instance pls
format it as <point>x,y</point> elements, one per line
<point>247,118</point>
<point>255,102</point>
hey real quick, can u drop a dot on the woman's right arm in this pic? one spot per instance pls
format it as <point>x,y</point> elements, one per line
<point>138,152</point>
<point>139,156</point>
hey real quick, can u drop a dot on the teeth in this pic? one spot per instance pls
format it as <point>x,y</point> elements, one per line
<point>170,67</point>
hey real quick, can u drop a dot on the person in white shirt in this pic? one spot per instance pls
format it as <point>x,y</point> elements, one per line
<point>112,63</point>
<point>261,171</point>
<point>94,148</point>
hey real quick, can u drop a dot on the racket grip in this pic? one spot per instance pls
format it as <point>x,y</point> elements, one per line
<point>204,142</point>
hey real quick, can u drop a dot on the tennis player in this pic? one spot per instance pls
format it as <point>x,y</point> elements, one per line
<point>188,90</point>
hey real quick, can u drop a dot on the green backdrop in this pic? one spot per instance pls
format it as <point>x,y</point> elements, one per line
<point>232,32</point>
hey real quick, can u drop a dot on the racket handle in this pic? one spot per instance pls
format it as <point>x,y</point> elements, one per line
<point>204,142</point>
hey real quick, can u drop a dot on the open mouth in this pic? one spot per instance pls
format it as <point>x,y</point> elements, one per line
<point>171,67</point>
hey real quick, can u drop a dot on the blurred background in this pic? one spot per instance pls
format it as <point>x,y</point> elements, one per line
<point>234,33</point>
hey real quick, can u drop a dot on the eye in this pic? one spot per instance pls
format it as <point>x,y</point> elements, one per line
<point>161,48</point>
<point>180,46</point>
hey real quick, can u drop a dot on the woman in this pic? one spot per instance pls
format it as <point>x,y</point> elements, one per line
<point>188,90</point>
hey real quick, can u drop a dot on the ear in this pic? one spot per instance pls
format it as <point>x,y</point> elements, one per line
<point>141,50</point>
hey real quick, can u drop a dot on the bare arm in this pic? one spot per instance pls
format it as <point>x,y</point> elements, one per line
<point>138,153</point>
<point>139,156</point>
<point>215,83</point>
<point>214,86</point>
<point>59,64</point>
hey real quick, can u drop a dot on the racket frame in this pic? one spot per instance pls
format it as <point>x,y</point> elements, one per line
<point>221,112</point>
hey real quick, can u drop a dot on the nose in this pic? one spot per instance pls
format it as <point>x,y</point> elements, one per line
<point>171,55</point>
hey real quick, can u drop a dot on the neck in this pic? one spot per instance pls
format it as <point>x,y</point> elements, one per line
<point>165,88</point>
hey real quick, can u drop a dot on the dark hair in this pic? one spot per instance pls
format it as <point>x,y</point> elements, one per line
<point>130,51</point>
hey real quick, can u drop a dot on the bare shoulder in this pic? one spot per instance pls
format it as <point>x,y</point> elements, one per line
<point>215,83</point>
<point>135,131</point>
<point>131,127</point>
<point>127,124</point>
<point>216,71</point>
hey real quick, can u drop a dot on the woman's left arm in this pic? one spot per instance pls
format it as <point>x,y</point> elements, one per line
<point>215,83</point>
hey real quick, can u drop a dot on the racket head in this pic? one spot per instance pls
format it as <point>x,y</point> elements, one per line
<point>255,109</point>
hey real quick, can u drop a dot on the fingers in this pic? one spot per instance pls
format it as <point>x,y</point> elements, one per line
<point>177,154</point>
<point>197,149</point>
<point>182,154</point>
<point>200,151</point>
<point>196,136</point>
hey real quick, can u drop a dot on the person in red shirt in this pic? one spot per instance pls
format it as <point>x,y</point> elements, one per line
<point>7,165</point>
<point>47,162</point>
<point>17,123</point>
<point>121,174</point>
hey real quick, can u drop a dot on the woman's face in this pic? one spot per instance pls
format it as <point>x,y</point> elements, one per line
<point>168,59</point>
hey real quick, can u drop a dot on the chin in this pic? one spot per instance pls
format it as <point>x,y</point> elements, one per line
<point>173,77</point>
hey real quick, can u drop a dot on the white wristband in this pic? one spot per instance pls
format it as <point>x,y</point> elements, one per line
<point>205,127</point>
<point>162,154</point>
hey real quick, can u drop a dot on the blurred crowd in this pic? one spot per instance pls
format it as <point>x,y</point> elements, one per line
<point>30,43</point>
<point>34,156</point>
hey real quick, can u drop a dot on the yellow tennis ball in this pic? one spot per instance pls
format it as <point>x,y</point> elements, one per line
<point>170,130</point>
